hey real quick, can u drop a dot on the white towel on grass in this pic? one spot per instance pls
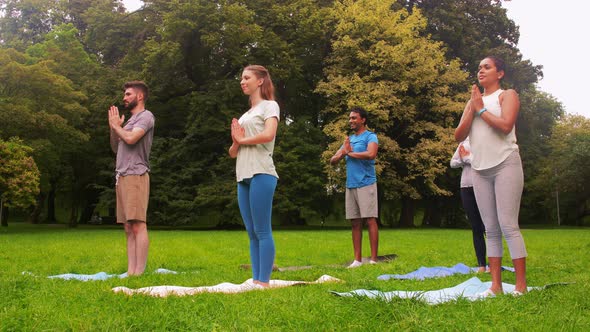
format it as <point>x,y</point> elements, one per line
<point>226,287</point>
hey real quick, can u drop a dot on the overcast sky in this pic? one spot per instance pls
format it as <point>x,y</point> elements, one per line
<point>553,34</point>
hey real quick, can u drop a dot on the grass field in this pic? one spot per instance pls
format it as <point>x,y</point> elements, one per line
<point>35,303</point>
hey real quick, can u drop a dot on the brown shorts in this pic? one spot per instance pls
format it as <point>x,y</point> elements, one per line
<point>362,202</point>
<point>133,192</point>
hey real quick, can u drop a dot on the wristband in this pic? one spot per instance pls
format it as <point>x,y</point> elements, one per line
<point>480,112</point>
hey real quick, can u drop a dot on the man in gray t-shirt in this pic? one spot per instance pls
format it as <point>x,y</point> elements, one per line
<point>132,144</point>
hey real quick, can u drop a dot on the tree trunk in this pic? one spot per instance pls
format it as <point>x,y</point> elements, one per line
<point>34,217</point>
<point>3,214</point>
<point>92,196</point>
<point>51,205</point>
<point>87,212</point>
<point>406,218</point>
<point>432,213</point>
<point>73,216</point>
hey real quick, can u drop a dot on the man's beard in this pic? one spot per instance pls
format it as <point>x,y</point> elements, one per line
<point>131,105</point>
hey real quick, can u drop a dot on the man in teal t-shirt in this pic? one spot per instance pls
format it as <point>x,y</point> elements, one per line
<point>360,150</point>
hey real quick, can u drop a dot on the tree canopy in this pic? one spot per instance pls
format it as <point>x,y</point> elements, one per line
<point>409,63</point>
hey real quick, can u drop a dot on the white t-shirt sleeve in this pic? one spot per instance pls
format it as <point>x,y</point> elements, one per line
<point>271,110</point>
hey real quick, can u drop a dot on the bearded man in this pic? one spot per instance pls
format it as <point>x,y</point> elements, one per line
<point>132,142</point>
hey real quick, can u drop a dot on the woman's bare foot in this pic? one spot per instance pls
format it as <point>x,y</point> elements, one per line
<point>263,284</point>
<point>481,269</point>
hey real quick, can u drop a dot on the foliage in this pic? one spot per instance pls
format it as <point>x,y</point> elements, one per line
<point>566,170</point>
<point>380,61</point>
<point>25,22</point>
<point>19,175</point>
<point>301,193</point>
<point>43,107</point>
<point>193,67</point>
<point>473,29</point>
<point>539,113</point>
<point>62,63</point>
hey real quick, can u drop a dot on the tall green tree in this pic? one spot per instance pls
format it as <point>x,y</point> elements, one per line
<point>44,109</point>
<point>565,173</point>
<point>471,30</point>
<point>25,22</point>
<point>381,61</point>
<point>77,185</point>
<point>194,65</point>
<point>302,195</point>
<point>539,114</point>
<point>19,177</point>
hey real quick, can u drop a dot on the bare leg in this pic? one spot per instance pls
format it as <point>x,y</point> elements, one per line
<point>373,237</point>
<point>496,272</point>
<point>520,270</point>
<point>142,244</point>
<point>357,238</point>
<point>131,257</point>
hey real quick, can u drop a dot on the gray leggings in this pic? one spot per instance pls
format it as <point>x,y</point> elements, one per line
<point>498,191</point>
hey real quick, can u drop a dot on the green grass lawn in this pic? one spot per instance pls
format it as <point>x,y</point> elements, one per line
<point>35,303</point>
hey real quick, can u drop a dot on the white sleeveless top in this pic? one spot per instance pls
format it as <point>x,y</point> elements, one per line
<point>490,146</point>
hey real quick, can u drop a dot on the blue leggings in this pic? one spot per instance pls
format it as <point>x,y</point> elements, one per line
<point>255,201</point>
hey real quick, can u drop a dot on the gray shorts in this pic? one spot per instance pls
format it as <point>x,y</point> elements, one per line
<point>362,202</point>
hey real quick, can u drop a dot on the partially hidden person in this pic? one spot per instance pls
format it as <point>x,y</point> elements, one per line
<point>462,159</point>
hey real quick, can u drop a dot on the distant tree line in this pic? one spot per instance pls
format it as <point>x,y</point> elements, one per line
<point>409,63</point>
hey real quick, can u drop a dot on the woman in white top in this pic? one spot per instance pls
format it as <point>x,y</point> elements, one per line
<point>253,139</point>
<point>498,179</point>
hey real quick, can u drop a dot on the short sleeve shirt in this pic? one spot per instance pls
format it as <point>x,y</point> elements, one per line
<point>360,172</point>
<point>133,159</point>
<point>257,158</point>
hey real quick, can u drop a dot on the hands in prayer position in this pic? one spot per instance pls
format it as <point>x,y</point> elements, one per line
<point>114,119</point>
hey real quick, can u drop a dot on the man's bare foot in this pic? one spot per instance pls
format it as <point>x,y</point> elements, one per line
<point>498,291</point>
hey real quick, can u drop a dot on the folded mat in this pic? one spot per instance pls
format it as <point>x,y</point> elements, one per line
<point>226,287</point>
<point>100,275</point>
<point>435,272</point>
<point>380,259</point>
<point>468,290</point>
